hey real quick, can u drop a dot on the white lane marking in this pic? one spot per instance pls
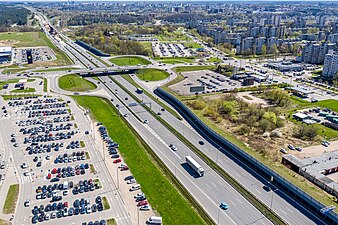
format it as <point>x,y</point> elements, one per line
<point>232,202</point>
<point>283,211</point>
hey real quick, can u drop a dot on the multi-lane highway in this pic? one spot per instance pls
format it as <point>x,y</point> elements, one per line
<point>211,189</point>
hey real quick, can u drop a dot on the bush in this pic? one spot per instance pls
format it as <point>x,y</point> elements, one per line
<point>198,104</point>
<point>306,132</point>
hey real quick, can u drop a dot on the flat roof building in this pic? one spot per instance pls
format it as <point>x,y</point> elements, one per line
<point>5,54</point>
<point>285,66</point>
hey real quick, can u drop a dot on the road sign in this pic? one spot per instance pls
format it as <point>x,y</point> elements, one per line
<point>327,209</point>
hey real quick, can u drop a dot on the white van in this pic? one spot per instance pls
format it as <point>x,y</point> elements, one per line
<point>155,220</point>
<point>135,187</point>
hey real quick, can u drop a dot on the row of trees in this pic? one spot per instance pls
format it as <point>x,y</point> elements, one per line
<point>95,35</point>
<point>95,18</point>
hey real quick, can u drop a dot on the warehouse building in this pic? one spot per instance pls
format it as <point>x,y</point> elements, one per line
<point>5,54</point>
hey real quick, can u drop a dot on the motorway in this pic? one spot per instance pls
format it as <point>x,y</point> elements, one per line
<point>211,189</point>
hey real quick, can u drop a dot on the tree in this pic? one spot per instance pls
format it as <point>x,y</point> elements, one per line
<point>270,116</point>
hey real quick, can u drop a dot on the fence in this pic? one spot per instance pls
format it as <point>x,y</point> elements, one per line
<point>247,161</point>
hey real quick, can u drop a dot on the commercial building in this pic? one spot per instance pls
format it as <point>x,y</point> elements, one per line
<point>5,54</point>
<point>285,66</point>
<point>316,169</point>
<point>330,65</point>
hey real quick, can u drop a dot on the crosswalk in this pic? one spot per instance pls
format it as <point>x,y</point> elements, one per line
<point>25,179</point>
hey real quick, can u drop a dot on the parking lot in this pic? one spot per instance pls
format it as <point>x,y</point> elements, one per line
<point>213,82</point>
<point>171,50</point>
<point>39,54</point>
<point>70,171</point>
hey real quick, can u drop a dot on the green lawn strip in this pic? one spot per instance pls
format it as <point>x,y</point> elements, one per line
<point>45,89</point>
<point>11,71</point>
<point>214,60</point>
<point>152,74</point>
<point>111,221</point>
<point>147,46</point>
<point>8,97</point>
<point>98,58</point>
<point>87,155</point>
<point>288,174</point>
<point>192,68</point>
<point>173,112</point>
<point>61,57</point>
<point>192,45</point>
<point>23,90</point>
<point>56,69</point>
<point>105,203</point>
<point>248,195</point>
<point>129,61</point>
<point>92,168</point>
<point>12,197</point>
<point>74,82</point>
<point>82,144</point>
<point>151,174</point>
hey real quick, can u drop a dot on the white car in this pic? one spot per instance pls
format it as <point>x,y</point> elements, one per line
<point>145,207</point>
<point>131,181</point>
<point>282,150</point>
<point>65,193</point>
<point>122,165</point>
<point>24,165</point>
<point>139,195</point>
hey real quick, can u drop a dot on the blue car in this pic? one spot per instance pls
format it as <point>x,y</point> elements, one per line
<point>224,206</point>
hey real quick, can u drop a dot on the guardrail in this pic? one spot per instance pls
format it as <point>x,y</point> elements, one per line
<point>249,162</point>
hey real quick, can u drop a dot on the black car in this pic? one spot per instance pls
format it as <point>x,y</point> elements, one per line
<point>129,178</point>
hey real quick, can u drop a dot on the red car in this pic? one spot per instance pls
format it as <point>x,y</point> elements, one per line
<point>141,203</point>
<point>54,171</point>
<point>65,204</point>
<point>49,176</point>
<point>124,168</point>
<point>117,161</point>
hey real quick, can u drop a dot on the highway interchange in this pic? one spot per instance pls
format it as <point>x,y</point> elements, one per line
<point>208,190</point>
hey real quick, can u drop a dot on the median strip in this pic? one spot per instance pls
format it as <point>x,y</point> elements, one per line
<point>264,209</point>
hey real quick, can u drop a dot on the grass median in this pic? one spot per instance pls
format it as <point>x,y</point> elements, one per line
<point>160,192</point>
<point>74,82</point>
<point>152,74</point>
<point>23,90</point>
<point>129,61</point>
<point>11,199</point>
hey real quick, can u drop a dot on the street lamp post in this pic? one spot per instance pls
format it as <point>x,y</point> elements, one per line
<point>138,216</point>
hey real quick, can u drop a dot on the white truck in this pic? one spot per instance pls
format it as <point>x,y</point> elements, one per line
<point>155,220</point>
<point>194,165</point>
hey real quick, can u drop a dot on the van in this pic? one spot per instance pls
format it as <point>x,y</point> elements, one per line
<point>155,220</point>
<point>135,187</point>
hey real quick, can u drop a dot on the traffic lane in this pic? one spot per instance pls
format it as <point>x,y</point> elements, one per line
<point>163,133</point>
<point>205,201</point>
<point>247,179</point>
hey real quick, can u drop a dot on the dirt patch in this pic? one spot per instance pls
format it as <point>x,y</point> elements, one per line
<point>249,98</point>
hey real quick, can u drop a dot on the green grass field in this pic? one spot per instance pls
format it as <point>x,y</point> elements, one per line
<point>56,69</point>
<point>12,197</point>
<point>74,82</point>
<point>26,90</point>
<point>33,39</point>
<point>22,39</point>
<point>174,60</point>
<point>192,68</point>
<point>129,61</point>
<point>192,45</point>
<point>111,221</point>
<point>214,60</point>
<point>152,74</point>
<point>163,197</point>
<point>8,97</point>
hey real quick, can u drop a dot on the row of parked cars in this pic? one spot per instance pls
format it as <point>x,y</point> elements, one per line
<point>59,210</point>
